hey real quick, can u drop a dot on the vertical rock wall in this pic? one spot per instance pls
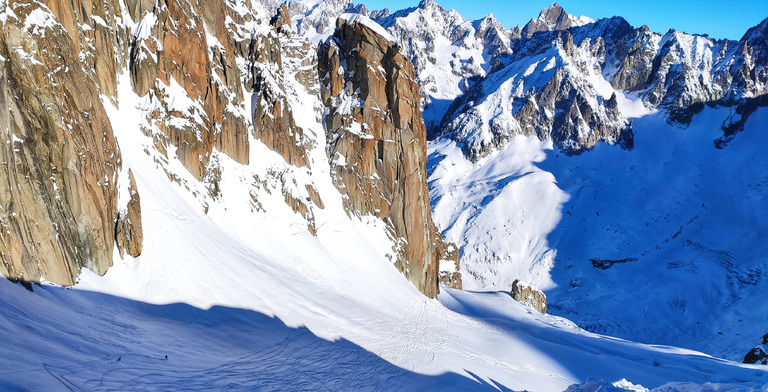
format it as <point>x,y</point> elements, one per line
<point>58,157</point>
<point>377,142</point>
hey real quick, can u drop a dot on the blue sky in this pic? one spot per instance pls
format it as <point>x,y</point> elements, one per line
<point>719,19</point>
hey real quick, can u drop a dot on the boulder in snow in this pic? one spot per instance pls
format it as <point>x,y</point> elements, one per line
<point>528,294</point>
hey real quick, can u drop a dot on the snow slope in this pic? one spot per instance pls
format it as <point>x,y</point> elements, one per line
<point>662,244</point>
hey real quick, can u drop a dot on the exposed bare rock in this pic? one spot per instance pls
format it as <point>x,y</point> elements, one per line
<point>59,158</point>
<point>171,55</point>
<point>231,125</point>
<point>529,295</point>
<point>377,141</point>
<point>759,354</point>
<point>92,28</point>
<point>282,20</point>
<point>449,265</point>
<point>130,235</point>
<point>314,196</point>
<point>136,8</point>
<point>552,18</point>
<point>302,208</point>
<point>273,118</point>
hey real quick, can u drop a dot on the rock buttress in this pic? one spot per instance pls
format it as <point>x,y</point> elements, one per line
<point>377,143</point>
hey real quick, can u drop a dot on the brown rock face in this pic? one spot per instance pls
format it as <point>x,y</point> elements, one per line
<point>129,234</point>
<point>91,26</point>
<point>175,55</point>
<point>377,143</point>
<point>529,295</point>
<point>57,178</point>
<point>449,266</point>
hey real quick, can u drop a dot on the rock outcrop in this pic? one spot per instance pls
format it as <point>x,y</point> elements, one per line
<point>449,266</point>
<point>550,19</point>
<point>377,141</point>
<point>129,233</point>
<point>529,295</point>
<point>759,354</point>
<point>273,118</point>
<point>170,56</point>
<point>60,162</point>
<point>58,202</point>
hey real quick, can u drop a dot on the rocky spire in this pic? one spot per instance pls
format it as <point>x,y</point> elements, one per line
<point>377,143</point>
<point>553,18</point>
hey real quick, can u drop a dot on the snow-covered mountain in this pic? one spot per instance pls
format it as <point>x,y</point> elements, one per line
<point>233,194</point>
<point>573,82</point>
<point>507,192</point>
<point>447,51</point>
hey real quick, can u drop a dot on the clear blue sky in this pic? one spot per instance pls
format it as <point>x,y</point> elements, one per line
<point>718,18</point>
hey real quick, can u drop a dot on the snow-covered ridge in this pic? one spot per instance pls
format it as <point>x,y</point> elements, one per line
<point>367,22</point>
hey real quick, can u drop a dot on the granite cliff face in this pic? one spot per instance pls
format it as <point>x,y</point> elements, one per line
<point>274,122</point>
<point>377,142</point>
<point>58,201</point>
<point>173,53</point>
<point>129,233</point>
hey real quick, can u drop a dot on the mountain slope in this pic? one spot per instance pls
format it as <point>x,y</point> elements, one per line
<point>501,170</point>
<point>264,262</point>
<point>694,217</point>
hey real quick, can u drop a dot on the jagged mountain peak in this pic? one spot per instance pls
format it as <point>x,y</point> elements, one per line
<point>424,4</point>
<point>553,18</point>
<point>757,35</point>
<point>317,18</point>
<point>489,21</point>
<point>553,13</point>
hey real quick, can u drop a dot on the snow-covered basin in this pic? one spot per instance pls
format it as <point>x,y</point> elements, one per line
<point>679,223</point>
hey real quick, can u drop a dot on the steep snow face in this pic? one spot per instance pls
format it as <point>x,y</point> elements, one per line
<point>499,212</point>
<point>661,244</point>
<point>691,242</point>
